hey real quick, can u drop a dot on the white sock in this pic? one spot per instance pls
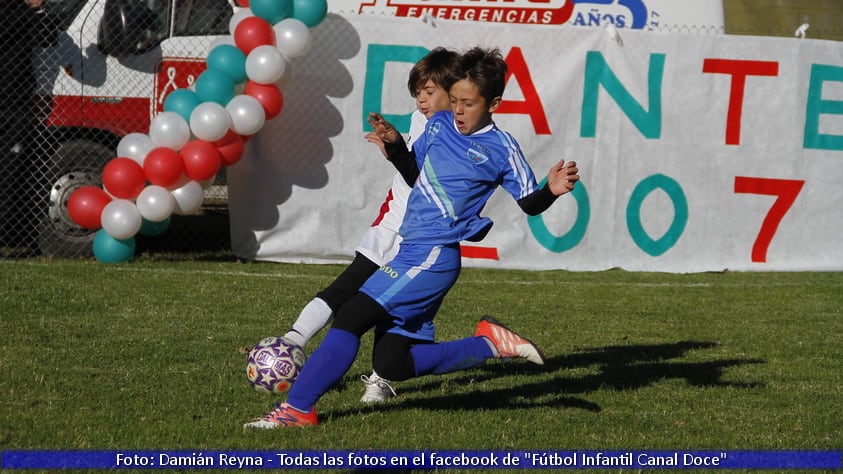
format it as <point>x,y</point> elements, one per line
<point>313,317</point>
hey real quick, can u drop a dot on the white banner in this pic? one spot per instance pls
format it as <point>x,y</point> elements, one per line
<point>697,152</point>
<point>664,15</point>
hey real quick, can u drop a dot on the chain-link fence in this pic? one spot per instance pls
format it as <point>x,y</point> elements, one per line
<point>77,76</point>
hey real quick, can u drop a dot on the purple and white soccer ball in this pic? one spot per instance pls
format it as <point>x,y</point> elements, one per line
<point>273,365</point>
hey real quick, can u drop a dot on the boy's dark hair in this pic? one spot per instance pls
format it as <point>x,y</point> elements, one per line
<point>487,69</point>
<point>438,66</point>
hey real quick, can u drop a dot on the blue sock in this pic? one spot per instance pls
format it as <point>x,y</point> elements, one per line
<point>325,367</point>
<point>450,356</point>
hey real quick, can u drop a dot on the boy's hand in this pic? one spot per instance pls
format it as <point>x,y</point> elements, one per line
<point>383,129</point>
<point>562,177</point>
<point>373,137</point>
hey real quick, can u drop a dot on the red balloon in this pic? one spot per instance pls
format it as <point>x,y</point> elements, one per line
<point>201,160</point>
<point>230,147</point>
<point>243,3</point>
<point>123,178</point>
<point>163,166</point>
<point>85,206</point>
<point>269,96</point>
<point>252,32</point>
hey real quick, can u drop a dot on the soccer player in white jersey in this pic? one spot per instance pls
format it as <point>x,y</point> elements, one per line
<point>380,242</point>
<point>458,163</point>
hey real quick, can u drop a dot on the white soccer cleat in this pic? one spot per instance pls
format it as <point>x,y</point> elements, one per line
<point>378,389</point>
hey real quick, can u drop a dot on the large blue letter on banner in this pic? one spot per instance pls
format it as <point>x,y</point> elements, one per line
<point>377,57</point>
<point>817,106</point>
<point>597,73</point>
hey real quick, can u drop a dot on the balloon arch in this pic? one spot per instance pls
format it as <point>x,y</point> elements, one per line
<point>201,129</point>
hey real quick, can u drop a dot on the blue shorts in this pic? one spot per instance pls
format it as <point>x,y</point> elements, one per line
<point>412,286</point>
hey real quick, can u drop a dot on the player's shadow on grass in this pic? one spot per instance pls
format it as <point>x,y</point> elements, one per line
<point>609,368</point>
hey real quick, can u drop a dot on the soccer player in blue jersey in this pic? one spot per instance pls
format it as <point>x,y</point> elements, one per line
<point>428,83</point>
<point>458,163</point>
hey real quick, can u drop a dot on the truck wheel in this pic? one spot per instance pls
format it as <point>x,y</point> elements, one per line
<point>73,165</point>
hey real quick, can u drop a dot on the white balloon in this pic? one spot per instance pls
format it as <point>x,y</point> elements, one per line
<point>265,64</point>
<point>155,203</point>
<point>121,219</point>
<point>247,114</point>
<point>292,37</point>
<point>188,198</point>
<point>239,15</point>
<point>169,129</point>
<point>209,121</point>
<point>135,146</point>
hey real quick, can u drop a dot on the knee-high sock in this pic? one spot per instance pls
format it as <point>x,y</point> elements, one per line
<point>324,368</point>
<point>313,317</point>
<point>450,356</point>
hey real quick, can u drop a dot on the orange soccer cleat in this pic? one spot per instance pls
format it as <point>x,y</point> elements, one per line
<point>507,342</point>
<point>285,416</point>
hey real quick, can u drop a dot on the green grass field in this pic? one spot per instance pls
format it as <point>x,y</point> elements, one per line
<point>145,356</point>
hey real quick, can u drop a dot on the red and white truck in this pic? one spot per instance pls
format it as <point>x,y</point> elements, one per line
<point>105,76</point>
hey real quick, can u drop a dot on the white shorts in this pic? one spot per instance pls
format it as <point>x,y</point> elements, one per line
<point>379,244</point>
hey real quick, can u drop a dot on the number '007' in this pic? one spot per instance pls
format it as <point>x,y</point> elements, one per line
<point>785,191</point>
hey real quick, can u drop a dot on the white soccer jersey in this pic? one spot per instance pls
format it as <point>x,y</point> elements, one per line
<point>380,242</point>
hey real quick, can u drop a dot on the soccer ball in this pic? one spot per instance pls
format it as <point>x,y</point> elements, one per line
<point>273,365</point>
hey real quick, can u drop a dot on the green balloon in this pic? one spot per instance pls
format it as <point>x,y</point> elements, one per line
<point>214,86</point>
<point>182,102</point>
<point>151,229</point>
<point>230,60</point>
<point>107,249</point>
<point>272,11</point>
<point>310,12</point>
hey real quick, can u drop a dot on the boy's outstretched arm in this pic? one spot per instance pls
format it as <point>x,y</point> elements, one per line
<point>560,180</point>
<point>397,153</point>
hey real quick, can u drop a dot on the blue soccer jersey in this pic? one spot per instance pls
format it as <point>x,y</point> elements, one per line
<point>457,175</point>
